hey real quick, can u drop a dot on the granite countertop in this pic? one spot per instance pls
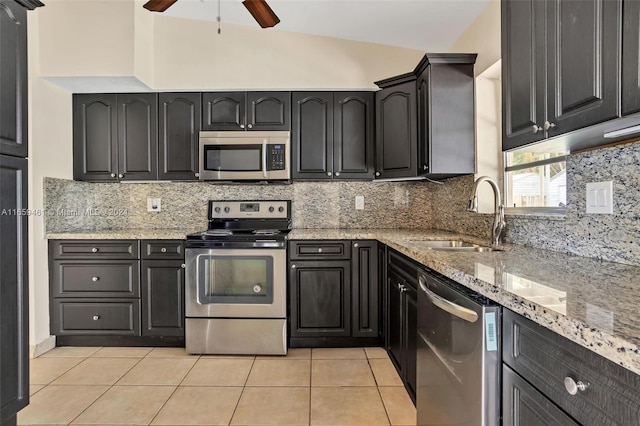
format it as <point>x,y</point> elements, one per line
<point>591,302</point>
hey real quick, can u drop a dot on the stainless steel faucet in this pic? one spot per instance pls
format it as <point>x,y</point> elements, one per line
<point>498,220</point>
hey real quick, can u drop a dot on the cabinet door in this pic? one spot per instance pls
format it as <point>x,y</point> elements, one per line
<point>396,131</point>
<point>522,404</point>
<point>268,111</point>
<point>353,135</point>
<point>223,111</point>
<point>320,298</point>
<point>394,321</point>
<point>312,135</point>
<point>179,127</point>
<point>14,327</point>
<point>523,72</point>
<point>583,60</point>
<point>13,79</point>
<point>138,136</point>
<point>95,140</point>
<point>630,57</point>
<point>410,323</point>
<point>364,284</point>
<point>162,298</point>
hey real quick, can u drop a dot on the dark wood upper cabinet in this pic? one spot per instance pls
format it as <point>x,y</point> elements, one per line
<point>523,72</point>
<point>179,119</point>
<point>560,70</point>
<point>630,57</point>
<point>353,127</point>
<point>95,137</point>
<point>13,79</point>
<point>14,316</point>
<point>246,111</point>
<point>137,136</point>
<point>446,115</point>
<point>396,128</point>
<point>583,57</point>
<point>115,137</point>
<point>312,135</point>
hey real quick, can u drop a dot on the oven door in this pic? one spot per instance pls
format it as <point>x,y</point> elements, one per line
<point>236,283</point>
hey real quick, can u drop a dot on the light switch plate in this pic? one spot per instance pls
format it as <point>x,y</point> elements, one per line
<point>154,204</point>
<point>359,202</point>
<point>600,197</point>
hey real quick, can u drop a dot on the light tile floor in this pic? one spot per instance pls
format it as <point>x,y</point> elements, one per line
<point>167,386</point>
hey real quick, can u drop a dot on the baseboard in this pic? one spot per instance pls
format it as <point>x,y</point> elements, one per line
<point>43,347</point>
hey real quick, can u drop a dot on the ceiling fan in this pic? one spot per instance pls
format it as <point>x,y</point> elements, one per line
<point>259,9</point>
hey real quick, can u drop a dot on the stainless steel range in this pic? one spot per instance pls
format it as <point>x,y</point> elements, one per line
<point>236,280</point>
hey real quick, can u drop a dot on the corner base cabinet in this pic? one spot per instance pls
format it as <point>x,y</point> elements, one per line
<point>333,293</point>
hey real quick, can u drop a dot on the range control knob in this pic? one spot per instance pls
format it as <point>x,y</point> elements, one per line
<point>217,209</point>
<point>227,209</point>
<point>271,209</point>
<point>280,209</point>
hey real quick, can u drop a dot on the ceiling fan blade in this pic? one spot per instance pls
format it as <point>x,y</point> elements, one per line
<point>261,12</point>
<point>158,5</point>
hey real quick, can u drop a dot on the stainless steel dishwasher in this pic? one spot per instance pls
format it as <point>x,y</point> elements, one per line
<point>459,354</point>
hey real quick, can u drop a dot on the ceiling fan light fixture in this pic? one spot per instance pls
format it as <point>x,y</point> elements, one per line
<point>158,5</point>
<point>261,12</point>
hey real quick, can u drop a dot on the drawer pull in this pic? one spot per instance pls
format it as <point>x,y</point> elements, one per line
<point>94,279</point>
<point>319,250</point>
<point>574,387</point>
<point>183,266</point>
<point>96,317</point>
<point>163,250</point>
<point>94,250</point>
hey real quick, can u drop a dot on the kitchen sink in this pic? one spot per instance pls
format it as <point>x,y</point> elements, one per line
<point>453,245</point>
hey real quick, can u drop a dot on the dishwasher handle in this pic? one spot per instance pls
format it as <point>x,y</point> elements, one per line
<point>447,305</point>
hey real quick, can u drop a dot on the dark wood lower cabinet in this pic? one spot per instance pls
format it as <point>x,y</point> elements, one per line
<point>162,298</point>
<point>14,317</point>
<point>523,405</point>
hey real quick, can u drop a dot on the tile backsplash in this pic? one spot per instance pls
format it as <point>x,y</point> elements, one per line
<point>82,206</point>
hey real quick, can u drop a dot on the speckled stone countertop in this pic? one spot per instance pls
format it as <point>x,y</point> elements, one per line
<point>591,302</point>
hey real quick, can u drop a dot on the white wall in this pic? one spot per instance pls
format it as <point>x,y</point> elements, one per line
<point>84,38</point>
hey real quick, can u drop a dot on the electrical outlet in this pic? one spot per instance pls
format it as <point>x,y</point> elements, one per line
<point>359,202</point>
<point>600,197</point>
<point>154,204</point>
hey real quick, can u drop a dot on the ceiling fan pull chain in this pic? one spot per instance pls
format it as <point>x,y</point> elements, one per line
<point>218,17</point>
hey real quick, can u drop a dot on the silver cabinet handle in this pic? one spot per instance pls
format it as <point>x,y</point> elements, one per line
<point>319,250</point>
<point>94,279</point>
<point>163,250</point>
<point>250,126</point>
<point>293,266</point>
<point>377,173</point>
<point>337,173</point>
<point>547,125</point>
<point>574,387</point>
<point>329,173</point>
<point>120,175</point>
<point>355,245</point>
<point>242,126</point>
<point>94,250</point>
<point>113,175</point>
<point>183,266</point>
<point>96,317</point>
<point>447,305</point>
<point>425,167</point>
<point>536,129</point>
<point>197,174</point>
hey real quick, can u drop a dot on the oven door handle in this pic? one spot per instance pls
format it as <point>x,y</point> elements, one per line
<point>447,305</point>
<point>264,158</point>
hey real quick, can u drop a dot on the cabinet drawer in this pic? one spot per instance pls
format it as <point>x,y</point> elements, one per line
<point>108,316</point>
<point>545,359</point>
<point>163,249</point>
<point>88,278</point>
<point>313,249</point>
<point>95,249</point>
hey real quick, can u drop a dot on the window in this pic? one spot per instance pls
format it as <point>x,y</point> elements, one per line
<point>535,182</point>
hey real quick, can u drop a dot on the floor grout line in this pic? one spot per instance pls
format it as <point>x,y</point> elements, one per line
<point>244,386</point>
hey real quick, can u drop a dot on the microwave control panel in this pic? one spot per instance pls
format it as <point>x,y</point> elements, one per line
<point>276,153</point>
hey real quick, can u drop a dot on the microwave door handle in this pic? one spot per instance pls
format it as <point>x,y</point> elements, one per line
<point>264,158</point>
<point>447,305</point>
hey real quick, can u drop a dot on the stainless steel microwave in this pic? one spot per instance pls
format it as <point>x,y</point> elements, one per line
<point>237,155</point>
